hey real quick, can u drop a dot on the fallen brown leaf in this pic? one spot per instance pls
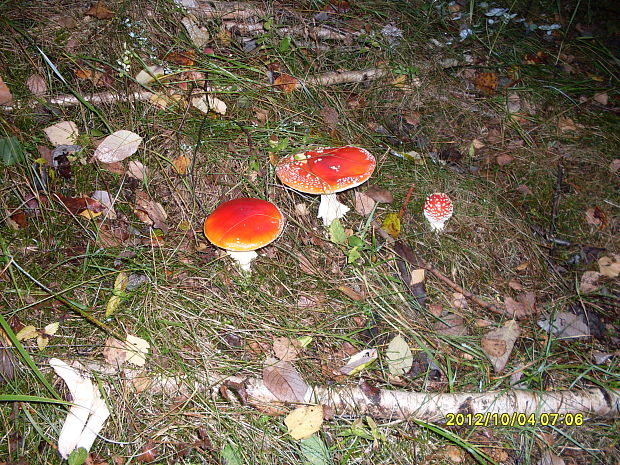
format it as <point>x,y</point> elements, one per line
<point>363,203</point>
<point>283,380</point>
<point>286,83</point>
<point>486,83</point>
<point>522,307</point>
<point>596,217</point>
<point>498,344</point>
<point>6,98</point>
<point>353,295</point>
<point>330,116</point>
<point>503,160</point>
<point>610,265</point>
<point>78,205</point>
<point>286,349</point>
<point>379,194</point>
<point>589,282</point>
<point>99,11</point>
<point>183,58</point>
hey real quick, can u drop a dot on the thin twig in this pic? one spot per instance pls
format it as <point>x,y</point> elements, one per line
<point>406,202</point>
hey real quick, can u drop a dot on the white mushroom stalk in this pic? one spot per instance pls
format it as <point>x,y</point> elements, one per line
<point>78,430</point>
<point>244,259</point>
<point>330,209</point>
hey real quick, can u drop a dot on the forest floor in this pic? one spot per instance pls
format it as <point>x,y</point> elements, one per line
<point>513,113</point>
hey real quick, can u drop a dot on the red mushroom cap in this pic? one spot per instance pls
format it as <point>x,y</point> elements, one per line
<point>438,207</point>
<point>244,224</point>
<point>326,170</point>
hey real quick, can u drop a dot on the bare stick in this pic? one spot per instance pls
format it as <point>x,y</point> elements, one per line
<point>406,202</point>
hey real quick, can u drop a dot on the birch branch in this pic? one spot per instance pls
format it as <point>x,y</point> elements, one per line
<point>223,10</point>
<point>319,32</point>
<point>341,77</point>
<point>385,403</point>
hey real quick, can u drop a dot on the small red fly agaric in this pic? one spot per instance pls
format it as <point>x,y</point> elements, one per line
<point>241,226</point>
<point>326,171</point>
<point>438,209</point>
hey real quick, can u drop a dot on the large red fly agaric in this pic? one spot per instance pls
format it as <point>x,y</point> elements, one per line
<point>326,171</point>
<point>241,226</point>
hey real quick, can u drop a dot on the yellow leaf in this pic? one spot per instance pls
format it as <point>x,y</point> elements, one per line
<point>112,305</point>
<point>27,332</point>
<point>303,422</point>
<point>51,329</point>
<point>399,81</point>
<point>391,224</point>
<point>137,348</point>
<point>120,283</point>
<point>42,342</point>
<point>89,214</point>
<point>181,163</point>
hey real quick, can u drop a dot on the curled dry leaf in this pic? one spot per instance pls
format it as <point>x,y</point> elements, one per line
<point>286,349</point>
<point>498,344</point>
<point>136,169</point>
<point>150,212</point>
<point>37,85</point>
<point>118,146</point>
<point>303,422</point>
<point>330,116</point>
<point>150,74</point>
<point>486,83</point>
<point>99,11</point>
<point>452,324</point>
<point>208,103</point>
<point>78,205</point>
<point>379,194</point>
<point>103,197</point>
<point>198,35</point>
<point>524,306</point>
<point>62,133</point>
<point>564,325</point>
<point>363,203</point>
<point>610,265</point>
<point>503,160</point>
<point>589,282</point>
<point>180,164</point>
<point>359,362</point>
<point>133,350</point>
<point>283,380</point>
<point>459,301</point>
<point>286,83</point>
<point>596,217</point>
<point>350,293</point>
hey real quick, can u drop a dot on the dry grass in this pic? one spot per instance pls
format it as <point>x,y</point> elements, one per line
<point>200,314</point>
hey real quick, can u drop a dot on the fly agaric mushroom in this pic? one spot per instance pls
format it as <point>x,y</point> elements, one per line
<point>438,209</point>
<point>241,226</point>
<point>326,171</point>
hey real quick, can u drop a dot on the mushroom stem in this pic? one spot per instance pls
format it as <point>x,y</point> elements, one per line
<point>330,209</point>
<point>243,258</point>
<point>87,402</point>
<point>437,225</point>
